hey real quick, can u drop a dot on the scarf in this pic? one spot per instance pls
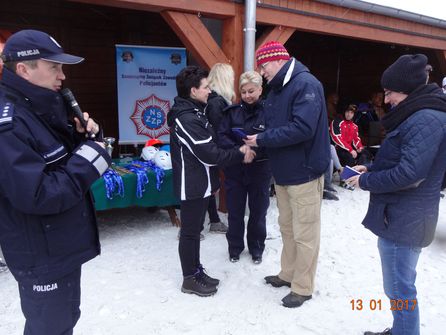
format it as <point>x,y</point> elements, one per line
<point>424,97</point>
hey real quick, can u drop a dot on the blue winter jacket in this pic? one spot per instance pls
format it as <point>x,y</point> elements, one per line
<point>404,180</point>
<point>47,218</point>
<point>296,135</point>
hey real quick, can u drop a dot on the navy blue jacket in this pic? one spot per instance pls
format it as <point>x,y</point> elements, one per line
<point>296,135</point>
<point>47,219</point>
<point>250,118</point>
<point>404,180</point>
<point>194,152</point>
<point>214,109</point>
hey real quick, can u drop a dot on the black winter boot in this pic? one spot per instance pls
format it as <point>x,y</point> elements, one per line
<point>293,300</point>
<point>208,279</point>
<point>196,284</point>
<point>276,281</point>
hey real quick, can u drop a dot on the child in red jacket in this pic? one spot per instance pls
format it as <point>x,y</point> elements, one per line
<point>344,134</point>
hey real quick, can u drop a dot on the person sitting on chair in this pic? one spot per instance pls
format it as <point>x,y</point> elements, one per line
<point>344,134</point>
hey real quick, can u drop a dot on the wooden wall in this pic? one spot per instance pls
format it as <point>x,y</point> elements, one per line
<point>91,32</point>
<point>360,63</point>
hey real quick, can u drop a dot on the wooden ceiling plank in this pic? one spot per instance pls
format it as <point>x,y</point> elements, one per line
<point>349,30</point>
<point>278,33</point>
<point>211,8</point>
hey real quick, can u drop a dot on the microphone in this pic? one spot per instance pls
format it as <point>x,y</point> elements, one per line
<point>71,100</point>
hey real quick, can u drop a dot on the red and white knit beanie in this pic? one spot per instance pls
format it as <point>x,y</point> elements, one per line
<point>270,51</point>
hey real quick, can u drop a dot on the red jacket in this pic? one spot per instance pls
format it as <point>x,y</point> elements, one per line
<point>345,135</point>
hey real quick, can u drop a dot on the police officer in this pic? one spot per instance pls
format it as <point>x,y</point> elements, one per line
<point>47,220</point>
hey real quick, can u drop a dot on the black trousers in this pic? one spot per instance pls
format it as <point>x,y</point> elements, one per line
<point>255,190</point>
<point>51,308</point>
<point>212,210</point>
<point>192,214</point>
<point>346,158</point>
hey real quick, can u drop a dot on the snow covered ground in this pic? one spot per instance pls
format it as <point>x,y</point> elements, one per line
<point>133,288</point>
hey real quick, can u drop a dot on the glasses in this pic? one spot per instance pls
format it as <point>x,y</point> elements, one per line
<point>263,66</point>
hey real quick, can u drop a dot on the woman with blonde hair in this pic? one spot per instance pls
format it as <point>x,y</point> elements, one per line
<point>221,83</point>
<point>246,182</point>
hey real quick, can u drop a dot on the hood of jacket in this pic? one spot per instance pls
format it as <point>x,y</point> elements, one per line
<point>291,69</point>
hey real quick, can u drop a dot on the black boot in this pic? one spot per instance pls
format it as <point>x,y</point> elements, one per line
<point>329,196</point>
<point>208,279</point>
<point>276,281</point>
<point>293,300</point>
<point>196,284</point>
<point>386,331</point>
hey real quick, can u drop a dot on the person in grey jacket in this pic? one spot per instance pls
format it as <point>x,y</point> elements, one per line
<point>404,183</point>
<point>297,143</point>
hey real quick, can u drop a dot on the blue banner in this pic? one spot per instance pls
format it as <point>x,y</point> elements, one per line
<point>146,89</point>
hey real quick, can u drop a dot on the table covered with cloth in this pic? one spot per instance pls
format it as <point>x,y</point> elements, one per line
<point>150,197</point>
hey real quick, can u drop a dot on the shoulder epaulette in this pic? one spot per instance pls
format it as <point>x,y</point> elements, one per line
<point>7,111</point>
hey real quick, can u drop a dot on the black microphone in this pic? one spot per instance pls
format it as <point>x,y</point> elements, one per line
<point>71,100</point>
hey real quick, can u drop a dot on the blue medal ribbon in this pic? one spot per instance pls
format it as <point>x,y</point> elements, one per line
<point>113,184</point>
<point>159,172</point>
<point>141,178</point>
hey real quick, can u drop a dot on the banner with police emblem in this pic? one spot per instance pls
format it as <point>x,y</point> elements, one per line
<point>146,89</point>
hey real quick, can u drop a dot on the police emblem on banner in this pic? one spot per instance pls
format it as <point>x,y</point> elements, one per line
<point>150,116</point>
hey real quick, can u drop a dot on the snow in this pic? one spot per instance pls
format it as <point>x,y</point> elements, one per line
<point>134,286</point>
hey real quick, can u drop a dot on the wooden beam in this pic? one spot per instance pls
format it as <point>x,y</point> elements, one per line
<point>346,29</point>
<point>279,33</point>
<point>195,36</point>
<point>232,43</point>
<point>212,8</point>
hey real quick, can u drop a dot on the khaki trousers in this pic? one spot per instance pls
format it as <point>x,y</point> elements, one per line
<point>300,224</point>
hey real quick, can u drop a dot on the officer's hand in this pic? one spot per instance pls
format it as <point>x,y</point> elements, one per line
<point>92,127</point>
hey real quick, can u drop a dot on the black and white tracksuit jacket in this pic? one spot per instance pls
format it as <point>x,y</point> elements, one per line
<point>195,155</point>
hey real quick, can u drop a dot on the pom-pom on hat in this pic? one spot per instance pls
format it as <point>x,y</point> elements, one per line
<point>406,74</point>
<point>271,51</point>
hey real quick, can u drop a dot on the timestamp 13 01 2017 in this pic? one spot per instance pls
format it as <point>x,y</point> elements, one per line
<point>377,305</point>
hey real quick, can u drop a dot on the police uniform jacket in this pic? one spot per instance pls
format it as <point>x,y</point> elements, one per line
<point>251,119</point>
<point>194,152</point>
<point>47,219</point>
